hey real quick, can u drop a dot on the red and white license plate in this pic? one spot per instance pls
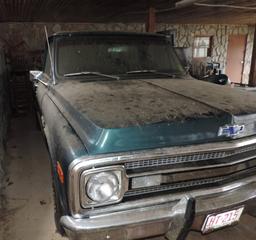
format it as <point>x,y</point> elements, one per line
<point>220,220</point>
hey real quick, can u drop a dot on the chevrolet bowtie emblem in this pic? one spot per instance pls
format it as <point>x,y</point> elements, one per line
<point>231,130</point>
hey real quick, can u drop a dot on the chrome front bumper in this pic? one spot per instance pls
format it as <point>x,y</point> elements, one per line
<point>133,224</point>
<point>171,215</point>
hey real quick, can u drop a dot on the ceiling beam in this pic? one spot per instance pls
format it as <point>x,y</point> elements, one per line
<point>151,21</point>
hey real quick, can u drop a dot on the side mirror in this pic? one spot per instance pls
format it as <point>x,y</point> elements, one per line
<point>35,75</point>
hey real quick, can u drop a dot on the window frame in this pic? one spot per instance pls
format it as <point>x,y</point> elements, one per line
<point>48,76</point>
<point>209,49</point>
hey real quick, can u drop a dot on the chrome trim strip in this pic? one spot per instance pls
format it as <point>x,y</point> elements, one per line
<point>79,165</point>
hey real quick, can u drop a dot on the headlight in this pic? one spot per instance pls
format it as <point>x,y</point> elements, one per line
<point>102,186</point>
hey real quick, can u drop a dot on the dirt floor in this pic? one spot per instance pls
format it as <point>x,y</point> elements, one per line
<point>28,212</point>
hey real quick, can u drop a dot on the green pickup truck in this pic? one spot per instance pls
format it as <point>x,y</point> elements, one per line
<point>139,148</point>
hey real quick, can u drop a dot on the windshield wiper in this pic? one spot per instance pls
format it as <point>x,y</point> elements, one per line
<point>142,71</point>
<point>153,71</point>
<point>91,73</point>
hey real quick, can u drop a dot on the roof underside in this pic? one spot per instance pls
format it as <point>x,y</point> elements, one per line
<point>125,11</point>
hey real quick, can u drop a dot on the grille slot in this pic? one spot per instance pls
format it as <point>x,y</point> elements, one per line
<point>186,158</point>
<point>174,160</point>
<point>171,187</point>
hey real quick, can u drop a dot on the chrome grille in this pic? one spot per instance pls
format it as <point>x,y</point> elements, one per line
<point>189,184</point>
<point>164,161</point>
<point>212,168</point>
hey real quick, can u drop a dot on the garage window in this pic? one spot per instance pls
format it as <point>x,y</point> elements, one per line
<point>202,47</point>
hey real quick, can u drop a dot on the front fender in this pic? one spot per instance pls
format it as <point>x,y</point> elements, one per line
<point>63,144</point>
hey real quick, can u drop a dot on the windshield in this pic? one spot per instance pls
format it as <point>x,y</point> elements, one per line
<point>115,55</point>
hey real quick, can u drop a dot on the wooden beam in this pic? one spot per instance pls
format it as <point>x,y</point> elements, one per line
<point>151,21</point>
<point>252,78</point>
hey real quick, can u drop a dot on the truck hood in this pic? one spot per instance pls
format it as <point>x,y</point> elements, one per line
<point>126,115</point>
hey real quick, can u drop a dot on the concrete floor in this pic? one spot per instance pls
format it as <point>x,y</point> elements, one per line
<point>28,211</point>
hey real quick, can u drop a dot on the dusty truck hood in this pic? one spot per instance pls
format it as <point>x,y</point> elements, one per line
<point>125,115</point>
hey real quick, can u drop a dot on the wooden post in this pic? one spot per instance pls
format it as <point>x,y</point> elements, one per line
<point>151,22</point>
<point>252,79</point>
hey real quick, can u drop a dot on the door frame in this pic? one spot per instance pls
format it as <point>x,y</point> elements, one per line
<point>244,54</point>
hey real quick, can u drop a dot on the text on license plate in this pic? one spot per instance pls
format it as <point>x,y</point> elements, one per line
<point>215,221</point>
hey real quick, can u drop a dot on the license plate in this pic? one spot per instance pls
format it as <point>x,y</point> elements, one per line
<point>220,220</point>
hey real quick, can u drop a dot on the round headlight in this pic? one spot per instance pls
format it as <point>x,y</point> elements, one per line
<point>102,187</point>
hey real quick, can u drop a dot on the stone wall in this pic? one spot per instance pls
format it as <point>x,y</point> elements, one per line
<point>185,34</point>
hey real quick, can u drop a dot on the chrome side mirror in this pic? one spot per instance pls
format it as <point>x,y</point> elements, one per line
<point>35,75</point>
